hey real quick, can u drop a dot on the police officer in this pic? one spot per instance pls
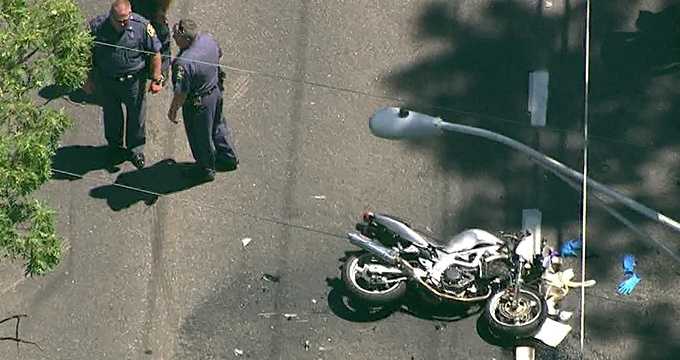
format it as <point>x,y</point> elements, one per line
<point>118,71</point>
<point>197,90</point>
<point>156,12</point>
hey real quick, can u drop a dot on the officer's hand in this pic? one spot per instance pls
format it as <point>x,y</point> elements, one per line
<point>88,87</point>
<point>155,88</point>
<point>172,115</point>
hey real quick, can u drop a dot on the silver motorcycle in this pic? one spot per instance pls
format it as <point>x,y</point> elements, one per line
<point>472,266</point>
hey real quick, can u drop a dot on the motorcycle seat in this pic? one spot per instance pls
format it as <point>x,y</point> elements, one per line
<point>470,239</point>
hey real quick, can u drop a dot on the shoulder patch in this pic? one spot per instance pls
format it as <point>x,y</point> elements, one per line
<point>179,72</point>
<point>150,30</point>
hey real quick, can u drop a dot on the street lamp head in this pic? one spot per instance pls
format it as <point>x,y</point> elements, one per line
<point>398,123</point>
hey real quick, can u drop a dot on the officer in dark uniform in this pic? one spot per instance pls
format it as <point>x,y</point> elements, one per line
<point>198,91</point>
<point>156,11</point>
<point>118,72</point>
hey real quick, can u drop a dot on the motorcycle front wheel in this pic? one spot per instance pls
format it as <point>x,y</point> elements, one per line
<point>368,286</point>
<point>516,318</point>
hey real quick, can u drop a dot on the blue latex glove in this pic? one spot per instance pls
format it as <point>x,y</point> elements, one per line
<point>569,247</point>
<point>627,286</point>
<point>629,264</point>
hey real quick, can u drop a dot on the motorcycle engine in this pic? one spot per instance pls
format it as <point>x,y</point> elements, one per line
<point>458,278</point>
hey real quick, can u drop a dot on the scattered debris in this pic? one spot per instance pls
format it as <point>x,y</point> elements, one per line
<point>290,316</point>
<point>552,332</point>
<point>270,278</point>
<point>319,197</point>
<point>565,315</point>
<point>306,345</point>
<point>246,241</point>
<point>550,257</point>
<point>558,284</point>
<point>631,278</point>
<point>629,264</point>
<point>627,286</point>
<point>238,352</point>
<point>570,247</point>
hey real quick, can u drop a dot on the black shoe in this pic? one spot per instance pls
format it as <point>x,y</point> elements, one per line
<point>198,174</point>
<point>114,156</point>
<point>226,164</point>
<point>137,159</point>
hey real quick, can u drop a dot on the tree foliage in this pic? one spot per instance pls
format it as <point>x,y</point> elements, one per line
<point>41,42</point>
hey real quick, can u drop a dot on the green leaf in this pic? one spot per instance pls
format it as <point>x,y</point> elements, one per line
<point>41,42</point>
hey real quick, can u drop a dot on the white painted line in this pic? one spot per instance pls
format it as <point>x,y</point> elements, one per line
<point>538,97</point>
<point>531,220</point>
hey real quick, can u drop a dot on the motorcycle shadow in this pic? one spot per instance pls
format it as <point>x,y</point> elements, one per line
<point>349,308</point>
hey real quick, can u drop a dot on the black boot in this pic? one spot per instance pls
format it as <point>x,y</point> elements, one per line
<point>137,159</point>
<point>199,174</point>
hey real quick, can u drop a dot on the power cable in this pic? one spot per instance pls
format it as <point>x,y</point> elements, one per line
<point>239,213</point>
<point>366,94</point>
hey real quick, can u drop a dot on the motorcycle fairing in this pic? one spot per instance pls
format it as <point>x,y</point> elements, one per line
<point>470,239</point>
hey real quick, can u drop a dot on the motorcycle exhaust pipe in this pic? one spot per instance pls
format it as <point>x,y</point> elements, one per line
<point>388,255</point>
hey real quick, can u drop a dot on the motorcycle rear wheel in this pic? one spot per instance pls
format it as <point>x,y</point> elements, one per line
<point>521,321</point>
<point>362,289</point>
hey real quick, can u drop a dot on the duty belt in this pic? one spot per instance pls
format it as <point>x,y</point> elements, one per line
<point>126,77</point>
<point>195,99</point>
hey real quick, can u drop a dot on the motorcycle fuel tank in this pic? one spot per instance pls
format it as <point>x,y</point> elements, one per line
<point>401,229</point>
<point>469,239</point>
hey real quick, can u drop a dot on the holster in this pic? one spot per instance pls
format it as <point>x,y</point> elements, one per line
<point>220,78</point>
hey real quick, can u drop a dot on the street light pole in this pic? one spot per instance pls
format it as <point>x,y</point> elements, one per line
<point>396,123</point>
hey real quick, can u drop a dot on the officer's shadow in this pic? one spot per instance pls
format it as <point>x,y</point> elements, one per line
<point>147,184</point>
<point>77,96</point>
<point>73,162</point>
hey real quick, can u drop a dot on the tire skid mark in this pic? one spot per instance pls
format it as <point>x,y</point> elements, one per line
<point>162,313</point>
<point>294,148</point>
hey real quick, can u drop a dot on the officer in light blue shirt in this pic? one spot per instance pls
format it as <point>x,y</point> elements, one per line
<point>196,83</point>
<point>126,42</point>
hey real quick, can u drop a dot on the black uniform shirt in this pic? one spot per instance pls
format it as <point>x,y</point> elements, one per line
<point>116,61</point>
<point>192,73</point>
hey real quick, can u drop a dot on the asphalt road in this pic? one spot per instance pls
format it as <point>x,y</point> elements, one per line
<point>169,278</point>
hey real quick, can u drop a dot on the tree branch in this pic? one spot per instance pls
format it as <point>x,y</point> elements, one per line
<point>28,56</point>
<point>16,337</point>
<point>20,341</point>
<point>13,317</point>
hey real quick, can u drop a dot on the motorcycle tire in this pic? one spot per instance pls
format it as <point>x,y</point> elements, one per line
<point>356,289</point>
<point>502,327</point>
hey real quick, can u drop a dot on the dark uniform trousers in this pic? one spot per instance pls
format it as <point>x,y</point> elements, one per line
<point>129,91</point>
<point>203,119</point>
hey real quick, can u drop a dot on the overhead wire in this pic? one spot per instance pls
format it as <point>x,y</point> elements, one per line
<point>470,114</point>
<point>386,97</point>
<point>239,213</point>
